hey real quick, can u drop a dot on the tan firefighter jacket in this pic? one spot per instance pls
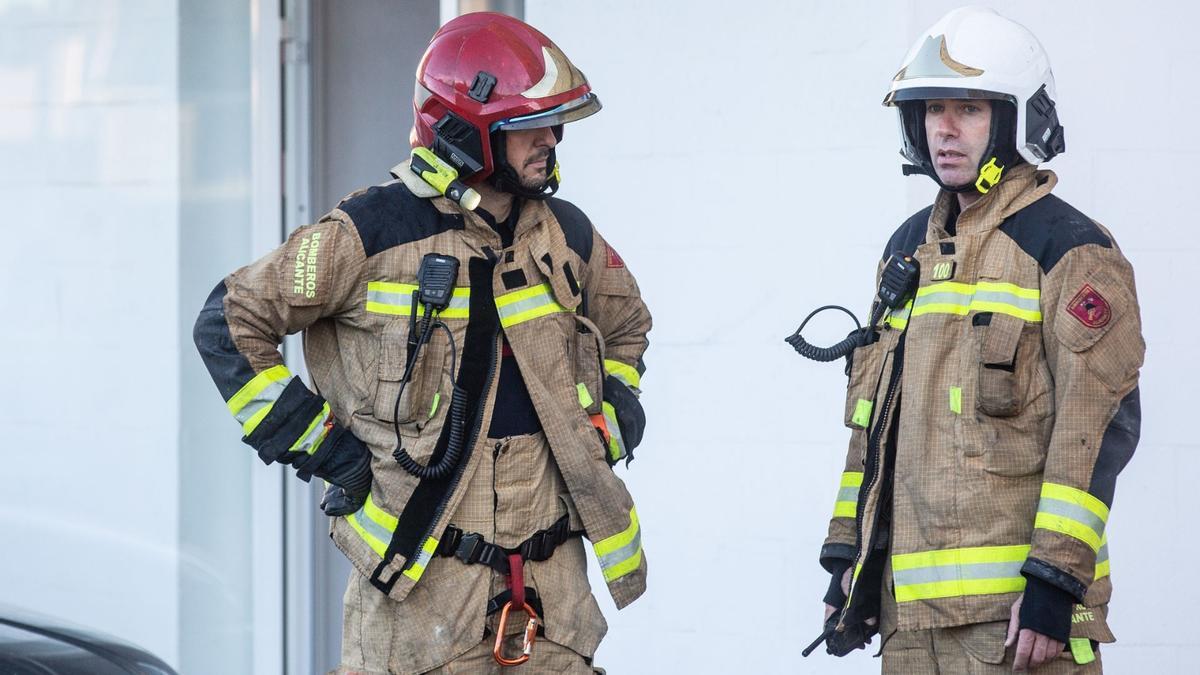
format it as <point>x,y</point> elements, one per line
<point>995,452</point>
<point>564,300</point>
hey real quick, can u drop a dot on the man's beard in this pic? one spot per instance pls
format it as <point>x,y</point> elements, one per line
<point>538,179</point>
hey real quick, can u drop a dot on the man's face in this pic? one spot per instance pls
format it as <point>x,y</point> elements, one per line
<point>957,131</point>
<point>528,151</point>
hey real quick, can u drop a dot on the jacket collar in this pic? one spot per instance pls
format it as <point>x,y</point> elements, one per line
<point>533,212</point>
<point>1020,187</point>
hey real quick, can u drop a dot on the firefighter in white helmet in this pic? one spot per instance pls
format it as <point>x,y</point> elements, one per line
<point>991,412</point>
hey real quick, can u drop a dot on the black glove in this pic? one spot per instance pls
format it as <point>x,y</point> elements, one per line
<point>630,417</point>
<point>337,502</point>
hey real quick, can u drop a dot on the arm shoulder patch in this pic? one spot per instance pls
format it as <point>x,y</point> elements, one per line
<point>1049,228</point>
<point>575,226</point>
<point>390,215</point>
<point>910,234</point>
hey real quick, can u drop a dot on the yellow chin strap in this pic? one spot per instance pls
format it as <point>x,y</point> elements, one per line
<point>989,176</point>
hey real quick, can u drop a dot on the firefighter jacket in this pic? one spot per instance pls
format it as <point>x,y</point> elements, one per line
<point>991,416</point>
<point>568,306</point>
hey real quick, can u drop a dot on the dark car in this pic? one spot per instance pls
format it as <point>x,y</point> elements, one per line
<point>31,644</point>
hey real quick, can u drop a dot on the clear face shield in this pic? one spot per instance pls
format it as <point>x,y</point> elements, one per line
<point>571,111</point>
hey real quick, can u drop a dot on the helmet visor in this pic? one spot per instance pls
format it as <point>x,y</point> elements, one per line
<point>934,93</point>
<point>575,109</point>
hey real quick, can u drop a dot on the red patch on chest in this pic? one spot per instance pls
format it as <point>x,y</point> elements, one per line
<point>1090,308</point>
<point>614,260</point>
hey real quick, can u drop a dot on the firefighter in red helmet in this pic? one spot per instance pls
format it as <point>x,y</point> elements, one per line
<point>477,348</point>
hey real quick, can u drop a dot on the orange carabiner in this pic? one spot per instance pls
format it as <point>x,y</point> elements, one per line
<point>530,636</point>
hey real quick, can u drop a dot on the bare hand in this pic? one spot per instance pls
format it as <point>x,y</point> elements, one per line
<point>1033,648</point>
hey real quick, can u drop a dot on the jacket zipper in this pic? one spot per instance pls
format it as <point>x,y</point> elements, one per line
<point>873,441</point>
<point>475,428</point>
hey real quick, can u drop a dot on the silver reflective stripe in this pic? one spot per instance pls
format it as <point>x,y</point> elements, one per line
<point>1103,554</point>
<point>373,528</point>
<point>404,300</point>
<point>519,306</point>
<point>311,440</point>
<point>944,298</point>
<point>624,553</point>
<point>264,399</point>
<point>1074,512</point>
<point>1028,304</point>
<point>928,575</point>
<point>848,494</point>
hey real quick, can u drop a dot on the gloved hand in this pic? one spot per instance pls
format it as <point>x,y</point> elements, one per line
<point>621,406</point>
<point>338,502</point>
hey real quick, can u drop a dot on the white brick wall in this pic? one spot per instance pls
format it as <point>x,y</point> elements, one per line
<point>88,176</point>
<point>746,172</point>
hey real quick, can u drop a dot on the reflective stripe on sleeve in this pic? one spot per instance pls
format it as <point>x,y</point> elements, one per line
<point>384,297</point>
<point>616,442</point>
<point>621,553</point>
<point>1102,567</point>
<point>312,437</point>
<point>959,572</point>
<point>847,498</point>
<point>628,375</point>
<point>254,400</point>
<point>1072,512</point>
<point>527,304</point>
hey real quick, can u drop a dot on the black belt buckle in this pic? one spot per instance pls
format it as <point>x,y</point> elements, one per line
<point>450,540</point>
<point>470,548</point>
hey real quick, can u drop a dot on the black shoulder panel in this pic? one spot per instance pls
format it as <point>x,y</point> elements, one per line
<point>575,226</point>
<point>1048,228</point>
<point>391,215</point>
<point>910,234</point>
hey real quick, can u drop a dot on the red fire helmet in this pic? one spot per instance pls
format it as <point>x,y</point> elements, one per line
<point>484,73</point>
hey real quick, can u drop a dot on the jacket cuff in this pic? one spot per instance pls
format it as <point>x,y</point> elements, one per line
<point>834,597</point>
<point>1046,609</point>
<point>1054,576</point>
<point>343,460</point>
<point>834,555</point>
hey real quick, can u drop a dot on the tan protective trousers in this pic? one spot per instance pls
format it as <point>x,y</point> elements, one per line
<point>514,490</point>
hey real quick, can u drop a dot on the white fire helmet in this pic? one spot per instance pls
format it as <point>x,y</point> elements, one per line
<point>975,53</point>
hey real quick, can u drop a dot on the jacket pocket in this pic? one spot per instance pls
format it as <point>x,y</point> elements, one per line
<point>412,406</point>
<point>865,370</point>
<point>587,356</point>
<point>1009,364</point>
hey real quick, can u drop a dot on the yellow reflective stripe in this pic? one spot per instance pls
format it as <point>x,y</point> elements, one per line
<point>256,398</point>
<point>417,567</point>
<point>625,373</point>
<point>956,400</point>
<point>255,386</point>
<point>847,499</point>
<point>995,297</point>
<point>585,399</point>
<point>1102,567</point>
<point>862,413</point>
<point>983,570</point>
<point>374,525</point>
<point>385,297</point>
<point>1072,512</point>
<point>898,318</point>
<point>527,304</point>
<point>621,553</point>
<point>616,442</point>
<point>314,435</point>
